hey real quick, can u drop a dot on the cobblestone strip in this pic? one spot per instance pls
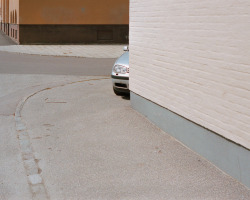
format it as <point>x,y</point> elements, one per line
<point>30,162</point>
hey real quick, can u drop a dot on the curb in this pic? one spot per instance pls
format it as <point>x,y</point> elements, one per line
<point>30,162</point>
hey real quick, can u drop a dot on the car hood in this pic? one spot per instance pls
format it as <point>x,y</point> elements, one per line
<point>123,60</point>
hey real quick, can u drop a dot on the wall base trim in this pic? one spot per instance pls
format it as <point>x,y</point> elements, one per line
<point>230,157</point>
<point>73,34</point>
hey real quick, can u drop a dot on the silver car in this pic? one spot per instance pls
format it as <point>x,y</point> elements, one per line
<point>120,74</point>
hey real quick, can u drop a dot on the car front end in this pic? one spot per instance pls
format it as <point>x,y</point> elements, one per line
<point>120,74</point>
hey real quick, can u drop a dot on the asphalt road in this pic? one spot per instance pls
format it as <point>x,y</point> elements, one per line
<point>13,63</point>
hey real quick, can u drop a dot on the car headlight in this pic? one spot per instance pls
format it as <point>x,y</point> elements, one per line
<point>120,69</point>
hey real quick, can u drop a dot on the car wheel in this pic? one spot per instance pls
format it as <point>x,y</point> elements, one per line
<point>117,92</point>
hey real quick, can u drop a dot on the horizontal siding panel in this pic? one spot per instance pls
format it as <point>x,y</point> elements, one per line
<point>192,57</point>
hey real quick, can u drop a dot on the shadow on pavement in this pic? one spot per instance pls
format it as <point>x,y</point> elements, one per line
<point>5,40</point>
<point>126,96</point>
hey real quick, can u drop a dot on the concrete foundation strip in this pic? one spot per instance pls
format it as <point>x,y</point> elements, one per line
<point>32,169</point>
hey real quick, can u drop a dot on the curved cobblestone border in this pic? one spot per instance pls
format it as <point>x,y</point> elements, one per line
<point>30,162</point>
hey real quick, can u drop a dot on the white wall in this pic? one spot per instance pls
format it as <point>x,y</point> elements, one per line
<point>193,57</point>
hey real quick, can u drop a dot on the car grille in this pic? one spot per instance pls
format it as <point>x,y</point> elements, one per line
<point>120,85</point>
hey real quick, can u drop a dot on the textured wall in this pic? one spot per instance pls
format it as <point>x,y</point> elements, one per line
<point>74,11</point>
<point>73,34</point>
<point>0,9</point>
<point>193,57</point>
<point>10,6</point>
<point>14,8</point>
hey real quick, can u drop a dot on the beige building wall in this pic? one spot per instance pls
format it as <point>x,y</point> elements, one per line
<point>0,10</point>
<point>14,11</point>
<point>7,9</point>
<point>192,57</point>
<point>74,12</point>
<point>64,21</point>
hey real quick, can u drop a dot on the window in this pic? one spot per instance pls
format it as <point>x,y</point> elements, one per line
<point>10,17</point>
<point>15,17</point>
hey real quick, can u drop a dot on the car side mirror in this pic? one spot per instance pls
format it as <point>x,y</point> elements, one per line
<point>125,48</point>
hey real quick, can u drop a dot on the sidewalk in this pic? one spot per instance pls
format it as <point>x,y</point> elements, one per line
<point>90,144</point>
<point>85,51</point>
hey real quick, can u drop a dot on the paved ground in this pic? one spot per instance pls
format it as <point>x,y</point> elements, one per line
<point>5,41</point>
<point>82,51</point>
<point>21,63</point>
<point>85,51</point>
<point>13,179</point>
<point>90,144</point>
<point>12,63</point>
<point>70,137</point>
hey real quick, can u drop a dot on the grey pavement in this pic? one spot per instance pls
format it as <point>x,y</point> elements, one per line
<point>99,64</point>
<point>14,182</point>
<point>12,63</point>
<point>64,136</point>
<point>82,51</point>
<point>90,144</point>
<point>85,51</point>
<point>13,179</point>
<point>5,41</point>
